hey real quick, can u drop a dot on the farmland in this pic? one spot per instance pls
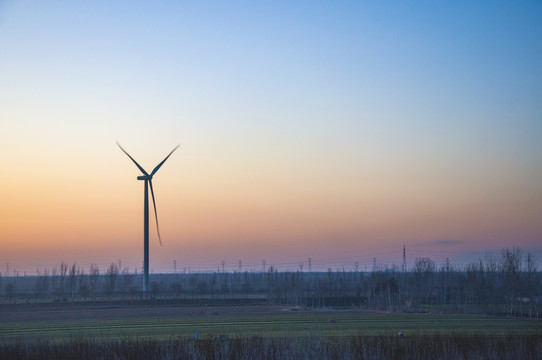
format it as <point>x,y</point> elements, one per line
<point>482,311</point>
<point>102,321</point>
<point>132,331</point>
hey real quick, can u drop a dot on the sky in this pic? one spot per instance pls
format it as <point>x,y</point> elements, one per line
<point>336,131</point>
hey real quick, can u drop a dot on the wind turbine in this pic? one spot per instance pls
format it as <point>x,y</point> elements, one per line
<point>148,182</point>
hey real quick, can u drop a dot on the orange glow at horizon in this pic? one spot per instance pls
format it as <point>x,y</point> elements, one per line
<point>253,213</point>
<point>348,137</point>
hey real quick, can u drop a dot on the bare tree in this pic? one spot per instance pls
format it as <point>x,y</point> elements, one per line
<point>93,277</point>
<point>82,281</point>
<point>212,284</point>
<point>202,287</point>
<point>62,274</point>
<point>41,287</point>
<point>424,269</point>
<point>510,269</point>
<point>111,278</point>
<point>127,280</point>
<point>72,280</point>
<point>9,289</point>
<point>176,288</point>
<point>444,284</point>
<point>193,284</point>
<point>531,283</point>
<point>492,269</point>
<point>54,280</point>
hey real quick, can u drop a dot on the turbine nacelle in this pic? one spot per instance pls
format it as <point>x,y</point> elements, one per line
<point>144,177</point>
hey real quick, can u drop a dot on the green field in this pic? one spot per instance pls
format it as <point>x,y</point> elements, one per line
<point>173,323</point>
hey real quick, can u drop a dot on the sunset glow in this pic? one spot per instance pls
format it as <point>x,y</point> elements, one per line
<point>337,132</point>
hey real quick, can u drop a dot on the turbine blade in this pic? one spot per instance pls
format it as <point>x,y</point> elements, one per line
<point>163,161</point>
<point>155,214</point>
<point>135,162</point>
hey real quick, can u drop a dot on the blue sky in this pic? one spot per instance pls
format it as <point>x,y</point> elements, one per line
<point>358,123</point>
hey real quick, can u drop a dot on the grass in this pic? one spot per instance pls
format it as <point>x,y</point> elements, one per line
<point>258,332</point>
<point>459,346</point>
<point>266,324</point>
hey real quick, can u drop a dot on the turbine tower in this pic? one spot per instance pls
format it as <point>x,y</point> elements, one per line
<point>148,183</point>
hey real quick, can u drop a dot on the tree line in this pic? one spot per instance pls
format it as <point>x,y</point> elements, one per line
<point>506,283</point>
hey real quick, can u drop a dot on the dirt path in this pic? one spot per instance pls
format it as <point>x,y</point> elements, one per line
<point>82,311</point>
